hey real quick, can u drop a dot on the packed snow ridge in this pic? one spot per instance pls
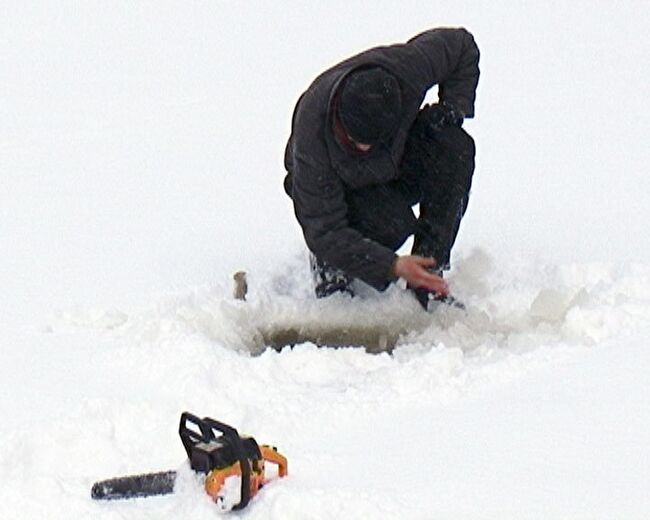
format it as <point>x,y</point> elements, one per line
<point>514,307</point>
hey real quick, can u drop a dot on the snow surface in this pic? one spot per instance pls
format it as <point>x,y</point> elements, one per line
<point>141,165</point>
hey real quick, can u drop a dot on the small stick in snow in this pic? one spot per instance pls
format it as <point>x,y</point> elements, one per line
<point>241,287</point>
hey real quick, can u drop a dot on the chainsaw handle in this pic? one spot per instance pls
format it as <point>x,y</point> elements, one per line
<point>205,426</point>
<point>270,454</point>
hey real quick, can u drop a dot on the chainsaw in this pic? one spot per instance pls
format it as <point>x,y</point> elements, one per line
<point>213,449</point>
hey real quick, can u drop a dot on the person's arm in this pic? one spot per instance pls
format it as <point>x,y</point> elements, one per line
<point>321,210</point>
<point>449,58</point>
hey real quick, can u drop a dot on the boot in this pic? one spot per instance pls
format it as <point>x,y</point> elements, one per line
<point>327,279</point>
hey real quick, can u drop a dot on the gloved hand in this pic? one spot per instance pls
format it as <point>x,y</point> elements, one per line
<point>443,114</point>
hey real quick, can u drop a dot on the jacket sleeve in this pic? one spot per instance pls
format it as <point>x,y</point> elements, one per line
<point>321,210</point>
<point>449,58</point>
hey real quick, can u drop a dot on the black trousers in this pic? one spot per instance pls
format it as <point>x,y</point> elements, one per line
<point>437,170</point>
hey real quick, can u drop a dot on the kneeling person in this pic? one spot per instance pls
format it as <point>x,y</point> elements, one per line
<point>363,151</point>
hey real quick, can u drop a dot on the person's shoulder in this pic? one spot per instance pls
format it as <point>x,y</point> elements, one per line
<point>459,31</point>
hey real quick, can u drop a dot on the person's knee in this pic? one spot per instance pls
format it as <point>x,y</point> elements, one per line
<point>381,213</point>
<point>457,141</point>
<point>389,226</point>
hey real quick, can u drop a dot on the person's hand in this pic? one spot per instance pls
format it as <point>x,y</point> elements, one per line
<point>443,114</point>
<point>416,270</point>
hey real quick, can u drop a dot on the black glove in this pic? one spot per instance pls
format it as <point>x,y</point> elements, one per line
<point>441,115</point>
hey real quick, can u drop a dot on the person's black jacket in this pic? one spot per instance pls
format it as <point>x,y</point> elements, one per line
<point>321,170</point>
